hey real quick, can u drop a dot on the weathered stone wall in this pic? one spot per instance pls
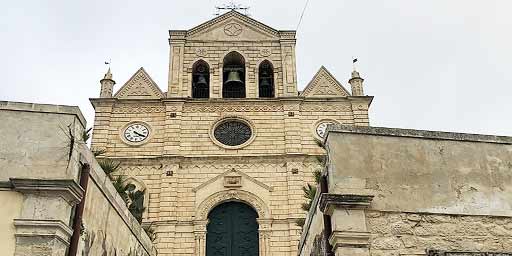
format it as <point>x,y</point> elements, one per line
<point>399,233</point>
<point>409,192</point>
<point>41,159</point>
<point>108,226</point>
<point>421,171</point>
<point>37,140</point>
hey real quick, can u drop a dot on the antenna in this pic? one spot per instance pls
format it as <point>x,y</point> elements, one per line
<point>232,7</point>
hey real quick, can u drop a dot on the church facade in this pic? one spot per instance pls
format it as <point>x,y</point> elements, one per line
<point>222,156</point>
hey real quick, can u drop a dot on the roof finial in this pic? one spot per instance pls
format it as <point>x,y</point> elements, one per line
<point>108,75</point>
<point>355,74</point>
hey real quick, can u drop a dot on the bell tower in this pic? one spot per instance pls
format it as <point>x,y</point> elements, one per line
<point>245,59</point>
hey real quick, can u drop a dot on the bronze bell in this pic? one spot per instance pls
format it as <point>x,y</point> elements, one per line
<point>201,81</point>
<point>233,78</point>
<point>264,82</point>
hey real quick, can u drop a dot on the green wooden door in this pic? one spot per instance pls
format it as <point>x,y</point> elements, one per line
<point>232,231</point>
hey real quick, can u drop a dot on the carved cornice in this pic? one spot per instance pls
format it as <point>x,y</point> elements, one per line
<point>233,108</point>
<point>328,201</point>
<point>43,228</point>
<point>349,239</point>
<point>137,109</point>
<point>67,189</point>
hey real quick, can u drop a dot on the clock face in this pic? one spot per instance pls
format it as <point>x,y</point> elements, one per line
<point>320,129</point>
<point>136,132</point>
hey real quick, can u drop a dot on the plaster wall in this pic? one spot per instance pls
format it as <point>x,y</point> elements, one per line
<point>11,202</point>
<point>37,140</point>
<point>435,174</point>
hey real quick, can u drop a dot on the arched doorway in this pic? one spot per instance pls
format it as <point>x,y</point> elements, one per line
<point>232,230</point>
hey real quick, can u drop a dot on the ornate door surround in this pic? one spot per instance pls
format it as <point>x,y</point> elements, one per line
<point>264,220</point>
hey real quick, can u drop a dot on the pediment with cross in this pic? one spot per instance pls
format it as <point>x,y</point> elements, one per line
<point>140,86</point>
<point>233,26</point>
<point>324,84</point>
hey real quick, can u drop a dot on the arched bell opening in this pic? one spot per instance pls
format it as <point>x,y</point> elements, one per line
<point>233,77</point>
<point>200,80</point>
<point>232,230</point>
<point>266,79</point>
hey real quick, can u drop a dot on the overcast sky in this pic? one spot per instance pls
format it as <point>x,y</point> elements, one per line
<point>431,64</point>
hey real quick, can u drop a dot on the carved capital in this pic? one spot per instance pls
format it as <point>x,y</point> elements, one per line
<point>329,201</point>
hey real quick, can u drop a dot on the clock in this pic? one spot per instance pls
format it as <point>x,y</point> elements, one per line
<point>321,127</point>
<point>136,133</point>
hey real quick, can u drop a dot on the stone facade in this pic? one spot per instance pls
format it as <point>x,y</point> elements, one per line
<point>42,164</point>
<point>409,192</point>
<point>186,171</point>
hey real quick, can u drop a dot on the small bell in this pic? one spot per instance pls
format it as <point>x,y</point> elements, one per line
<point>201,81</point>
<point>233,78</point>
<point>264,82</point>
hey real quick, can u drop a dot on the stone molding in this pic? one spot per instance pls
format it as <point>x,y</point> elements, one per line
<point>43,228</point>
<point>67,189</point>
<point>349,239</point>
<point>461,253</point>
<point>424,134</point>
<point>329,201</point>
<point>44,108</point>
<point>232,195</point>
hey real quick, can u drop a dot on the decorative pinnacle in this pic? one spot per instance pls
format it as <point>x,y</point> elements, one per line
<point>108,75</point>
<point>355,74</point>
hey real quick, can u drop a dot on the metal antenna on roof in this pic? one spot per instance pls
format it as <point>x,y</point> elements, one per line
<point>232,7</point>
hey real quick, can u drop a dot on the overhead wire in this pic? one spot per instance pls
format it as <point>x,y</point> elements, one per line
<point>302,15</point>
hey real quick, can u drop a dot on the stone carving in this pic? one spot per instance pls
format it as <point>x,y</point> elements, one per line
<point>325,107</point>
<point>233,181</point>
<point>233,108</point>
<point>233,29</point>
<point>140,85</point>
<point>201,52</point>
<point>265,52</point>
<point>324,84</point>
<point>136,109</point>
<point>231,195</point>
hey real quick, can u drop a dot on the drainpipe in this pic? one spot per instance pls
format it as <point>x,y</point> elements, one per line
<point>327,219</point>
<point>79,211</point>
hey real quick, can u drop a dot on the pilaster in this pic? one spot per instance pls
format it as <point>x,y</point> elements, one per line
<point>43,226</point>
<point>292,126</point>
<point>350,235</point>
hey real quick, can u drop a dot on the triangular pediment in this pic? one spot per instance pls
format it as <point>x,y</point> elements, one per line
<point>140,86</point>
<point>324,84</point>
<point>238,178</point>
<point>232,26</point>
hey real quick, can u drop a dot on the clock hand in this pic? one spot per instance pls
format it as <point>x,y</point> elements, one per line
<point>139,134</point>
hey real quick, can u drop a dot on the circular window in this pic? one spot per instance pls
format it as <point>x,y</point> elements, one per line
<point>232,133</point>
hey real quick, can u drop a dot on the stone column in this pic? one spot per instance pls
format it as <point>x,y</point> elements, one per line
<point>200,237</point>
<point>349,235</point>
<point>43,226</point>
<point>264,236</point>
